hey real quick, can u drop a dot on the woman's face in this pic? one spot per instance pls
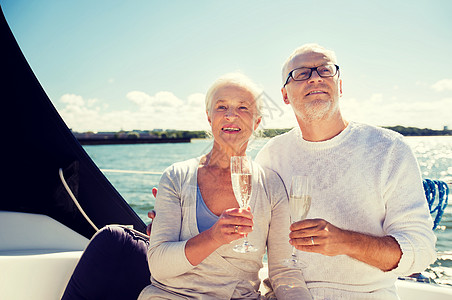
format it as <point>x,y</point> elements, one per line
<point>233,116</point>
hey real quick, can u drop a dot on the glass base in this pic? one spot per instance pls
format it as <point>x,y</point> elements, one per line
<point>293,262</point>
<point>244,248</point>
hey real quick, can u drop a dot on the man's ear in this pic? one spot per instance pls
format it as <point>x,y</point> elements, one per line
<point>340,87</point>
<point>284,95</point>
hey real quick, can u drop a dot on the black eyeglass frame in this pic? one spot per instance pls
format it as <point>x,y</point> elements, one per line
<point>310,74</point>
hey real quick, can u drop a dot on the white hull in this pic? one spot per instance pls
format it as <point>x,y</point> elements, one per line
<point>37,256</point>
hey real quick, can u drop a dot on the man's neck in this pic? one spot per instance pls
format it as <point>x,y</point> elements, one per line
<point>322,130</point>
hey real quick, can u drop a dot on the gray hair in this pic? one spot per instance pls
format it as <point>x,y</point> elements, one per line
<point>312,47</point>
<point>239,80</point>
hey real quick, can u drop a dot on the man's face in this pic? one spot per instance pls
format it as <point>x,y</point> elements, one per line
<point>316,98</point>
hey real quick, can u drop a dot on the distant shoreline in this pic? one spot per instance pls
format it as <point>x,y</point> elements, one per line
<point>184,136</point>
<point>129,141</point>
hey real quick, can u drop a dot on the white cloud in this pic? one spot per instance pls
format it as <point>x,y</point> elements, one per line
<point>71,99</point>
<point>139,98</point>
<point>376,99</point>
<point>443,85</point>
<point>164,99</point>
<point>197,99</point>
<point>390,111</point>
<point>167,99</point>
<point>162,110</point>
<point>167,111</point>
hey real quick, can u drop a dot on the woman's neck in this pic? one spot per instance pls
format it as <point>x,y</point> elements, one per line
<point>220,157</point>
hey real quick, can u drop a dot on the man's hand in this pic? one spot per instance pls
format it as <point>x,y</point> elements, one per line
<point>151,213</point>
<point>320,236</point>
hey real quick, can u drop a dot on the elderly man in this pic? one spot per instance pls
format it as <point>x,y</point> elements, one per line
<point>368,221</point>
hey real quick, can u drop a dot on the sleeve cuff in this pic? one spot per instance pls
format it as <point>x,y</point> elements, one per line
<point>169,260</point>
<point>406,260</point>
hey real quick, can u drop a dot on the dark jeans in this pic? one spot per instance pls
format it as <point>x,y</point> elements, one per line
<point>113,266</point>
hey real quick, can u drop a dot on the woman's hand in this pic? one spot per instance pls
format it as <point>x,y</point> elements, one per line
<point>233,224</point>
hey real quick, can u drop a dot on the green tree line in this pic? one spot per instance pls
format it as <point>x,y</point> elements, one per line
<point>268,133</point>
<point>265,133</point>
<point>413,131</point>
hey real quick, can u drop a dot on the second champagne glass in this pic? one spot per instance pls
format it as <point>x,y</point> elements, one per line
<point>299,205</point>
<point>241,185</point>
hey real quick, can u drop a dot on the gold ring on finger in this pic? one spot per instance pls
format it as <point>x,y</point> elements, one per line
<point>236,229</point>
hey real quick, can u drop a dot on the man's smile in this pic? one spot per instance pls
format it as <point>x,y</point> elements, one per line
<point>316,92</point>
<point>230,129</point>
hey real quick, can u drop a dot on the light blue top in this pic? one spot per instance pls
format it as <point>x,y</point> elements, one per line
<point>204,217</point>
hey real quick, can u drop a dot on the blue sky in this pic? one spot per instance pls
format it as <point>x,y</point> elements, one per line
<point>111,65</point>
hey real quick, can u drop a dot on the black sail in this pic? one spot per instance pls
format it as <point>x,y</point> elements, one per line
<point>36,143</point>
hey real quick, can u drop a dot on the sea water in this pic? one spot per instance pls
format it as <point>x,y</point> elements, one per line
<point>148,161</point>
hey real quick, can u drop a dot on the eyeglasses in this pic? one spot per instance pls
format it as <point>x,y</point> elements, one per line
<point>300,74</point>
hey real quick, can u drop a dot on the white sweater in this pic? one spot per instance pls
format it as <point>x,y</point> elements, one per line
<point>224,274</point>
<point>366,179</point>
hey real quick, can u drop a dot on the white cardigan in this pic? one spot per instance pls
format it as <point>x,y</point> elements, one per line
<point>224,274</point>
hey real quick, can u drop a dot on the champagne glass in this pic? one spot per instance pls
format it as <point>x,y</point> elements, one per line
<point>299,205</point>
<point>241,185</point>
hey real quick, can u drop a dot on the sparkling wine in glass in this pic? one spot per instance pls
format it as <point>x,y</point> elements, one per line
<point>299,205</point>
<point>241,185</point>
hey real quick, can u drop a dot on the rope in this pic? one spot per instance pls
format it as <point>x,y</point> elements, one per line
<point>60,171</point>
<point>430,187</point>
<point>69,191</point>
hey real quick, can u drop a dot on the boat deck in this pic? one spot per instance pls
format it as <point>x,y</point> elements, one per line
<point>39,254</point>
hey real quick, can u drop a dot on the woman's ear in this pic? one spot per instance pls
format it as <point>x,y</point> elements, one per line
<point>258,121</point>
<point>208,118</point>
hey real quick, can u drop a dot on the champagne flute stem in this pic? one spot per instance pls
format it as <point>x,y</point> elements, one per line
<point>294,255</point>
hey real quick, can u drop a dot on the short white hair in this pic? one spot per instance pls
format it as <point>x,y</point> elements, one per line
<point>239,80</point>
<point>312,47</point>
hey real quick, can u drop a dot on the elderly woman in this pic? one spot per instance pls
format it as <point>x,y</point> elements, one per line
<point>198,220</point>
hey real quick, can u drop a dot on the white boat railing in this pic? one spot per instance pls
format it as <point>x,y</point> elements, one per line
<point>131,172</point>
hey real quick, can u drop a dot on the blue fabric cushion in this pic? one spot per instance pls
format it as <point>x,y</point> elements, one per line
<point>113,266</point>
